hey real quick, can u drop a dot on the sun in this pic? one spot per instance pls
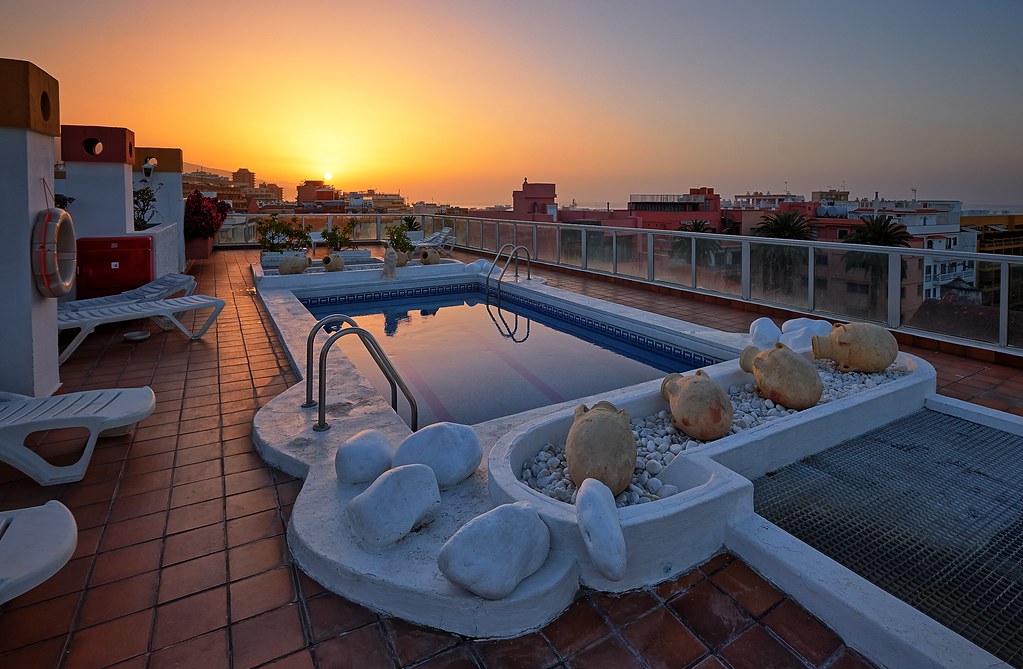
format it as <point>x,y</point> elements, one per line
<point>327,176</point>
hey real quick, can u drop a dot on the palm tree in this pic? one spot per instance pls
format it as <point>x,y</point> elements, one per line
<point>706,249</point>
<point>877,230</point>
<point>777,262</point>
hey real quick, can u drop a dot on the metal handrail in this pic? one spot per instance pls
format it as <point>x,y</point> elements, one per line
<point>375,351</point>
<point>515,250</point>
<point>322,323</point>
<point>507,331</point>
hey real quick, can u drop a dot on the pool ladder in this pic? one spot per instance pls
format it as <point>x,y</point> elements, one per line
<point>378,355</point>
<point>512,254</point>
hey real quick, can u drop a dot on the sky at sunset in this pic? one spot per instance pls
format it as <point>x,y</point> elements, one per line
<point>457,101</point>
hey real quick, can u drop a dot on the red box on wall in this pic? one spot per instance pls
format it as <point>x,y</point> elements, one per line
<point>110,265</point>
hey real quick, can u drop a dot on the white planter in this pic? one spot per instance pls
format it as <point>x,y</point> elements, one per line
<point>271,259</point>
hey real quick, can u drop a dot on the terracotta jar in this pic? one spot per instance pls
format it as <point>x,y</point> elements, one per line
<point>428,257</point>
<point>294,265</point>
<point>699,406</point>
<point>600,446</point>
<point>858,347</point>
<point>333,263</point>
<point>783,376</point>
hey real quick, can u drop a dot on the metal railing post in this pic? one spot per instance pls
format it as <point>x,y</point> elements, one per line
<point>1003,302</point>
<point>614,252</point>
<point>650,265</point>
<point>692,264</point>
<point>894,289</point>
<point>810,278</point>
<point>746,264</point>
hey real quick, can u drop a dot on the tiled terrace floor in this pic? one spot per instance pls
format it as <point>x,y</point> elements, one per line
<point>182,560</point>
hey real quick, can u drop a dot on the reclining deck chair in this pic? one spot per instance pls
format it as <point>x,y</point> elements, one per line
<point>95,410</point>
<point>157,289</point>
<point>34,544</point>
<point>433,240</point>
<point>171,309</point>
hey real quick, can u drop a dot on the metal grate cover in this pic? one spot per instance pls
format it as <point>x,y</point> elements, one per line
<point>929,508</point>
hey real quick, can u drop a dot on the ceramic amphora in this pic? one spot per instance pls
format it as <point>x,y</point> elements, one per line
<point>858,347</point>
<point>699,406</point>
<point>783,376</point>
<point>600,446</point>
<point>333,263</point>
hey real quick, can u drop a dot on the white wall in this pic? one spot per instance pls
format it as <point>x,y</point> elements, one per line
<point>103,198</point>
<point>168,236</point>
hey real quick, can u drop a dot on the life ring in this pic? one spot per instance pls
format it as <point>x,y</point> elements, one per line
<point>53,252</point>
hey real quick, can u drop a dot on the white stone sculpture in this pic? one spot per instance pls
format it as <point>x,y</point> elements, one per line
<point>390,262</point>
<point>699,406</point>
<point>600,446</point>
<point>764,332</point>
<point>333,262</point>
<point>783,376</point>
<point>453,451</point>
<point>858,347</point>
<point>815,325</point>
<point>492,553</point>
<point>601,528</point>
<point>393,505</point>
<point>363,457</point>
<point>294,264</point>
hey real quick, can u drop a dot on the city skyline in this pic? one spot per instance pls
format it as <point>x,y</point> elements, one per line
<point>457,101</point>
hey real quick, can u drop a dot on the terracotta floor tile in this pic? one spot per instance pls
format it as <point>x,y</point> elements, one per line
<point>331,615</point>
<point>254,527</point>
<point>195,575</point>
<point>253,501</point>
<point>70,579</point>
<point>196,453</point>
<point>266,637</point>
<point>850,659</point>
<point>663,641</point>
<point>530,650</point>
<point>413,642</point>
<point>200,491</point>
<point>717,562</point>
<point>30,624</point>
<point>190,617</point>
<point>150,463</point>
<point>194,543</point>
<point>193,516</point>
<point>669,589</point>
<point>88,542</point>
<point>200,471</point>
<point>756,649</point>
<point>113,600</point>
<point>711,613</point>
<point>136,484</point>
<point>624,608</point>
<point>747,587</point>
<point>287,493</point>
<point>460,657</point>
<point>83,495</point>
<point>261,593</point>
<point>303,659</point>
<point>43,654</point>
<point>802,632</point>
<point>579,626</point>
<point>108,643</point>
<point>710,662</point>
<point>611,653</point>
<point>208,651</point>
<point>126,562</point>
<point>364,648</point>
<point>257,557</point>
<point>242,463</point>
<point>134,506</point>
<point>133,531</point>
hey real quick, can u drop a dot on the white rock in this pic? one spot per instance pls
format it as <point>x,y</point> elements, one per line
<point>601,529</point>
<point>453,451</point>
<point>492,553</point>
<point>399,500</point>
<point>667,490</point>
<point>363,457</point>
<point>816,326</point>
<point>764,332</point>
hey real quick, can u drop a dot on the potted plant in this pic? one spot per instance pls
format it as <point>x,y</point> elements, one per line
<point>203,218</point>
<point>414,229</point>
<point>144,205</point>
<point>398,239</point>
<point>279,239</point>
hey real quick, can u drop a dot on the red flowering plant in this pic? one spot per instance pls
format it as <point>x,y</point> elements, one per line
<point>204,215</point>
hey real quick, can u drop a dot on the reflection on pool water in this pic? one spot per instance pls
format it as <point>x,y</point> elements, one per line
<point>469,361</point>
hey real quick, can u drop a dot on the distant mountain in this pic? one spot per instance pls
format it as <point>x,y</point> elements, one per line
<point>192,167</point>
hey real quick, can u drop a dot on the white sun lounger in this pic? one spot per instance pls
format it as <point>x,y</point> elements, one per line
<point>34,544</point>
<point>433,240</point>
<point>95,410</point>
<point>157,289</point>
<point>171,309</point>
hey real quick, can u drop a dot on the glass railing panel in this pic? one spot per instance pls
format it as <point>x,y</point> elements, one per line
<point>524,237</point>
<point>672,260</point>
<point>363,228</point>
<point>632,254</point>
<point>313,223</point>
<point>474,234</point>
<point>571,247</point>
<point>599,250</point>
<point>489,239</point>
<point>959,298</point>
<point>506,234</point>
<point>854,284</point>
<point>778,274</point>
<point>546,244</point>
<point>1016,305</point>
<point>719,266</point>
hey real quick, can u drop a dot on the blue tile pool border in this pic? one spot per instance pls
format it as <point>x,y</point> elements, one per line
<point>688,357</point>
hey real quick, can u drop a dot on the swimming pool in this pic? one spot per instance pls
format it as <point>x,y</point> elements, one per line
<point>468,360</point>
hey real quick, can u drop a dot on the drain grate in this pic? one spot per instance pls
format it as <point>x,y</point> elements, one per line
<point>929,508</point>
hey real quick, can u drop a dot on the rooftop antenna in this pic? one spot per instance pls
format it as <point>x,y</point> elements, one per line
<point>914,195</point>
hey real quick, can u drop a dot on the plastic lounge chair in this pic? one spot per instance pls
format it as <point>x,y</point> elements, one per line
<point>88,319</point>
<point>34,544</point>
<point>157,289</point>
<point>432,240</point>
<point>97,411</point>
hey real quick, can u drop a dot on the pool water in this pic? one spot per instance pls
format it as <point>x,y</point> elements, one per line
<point>468,361</point>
